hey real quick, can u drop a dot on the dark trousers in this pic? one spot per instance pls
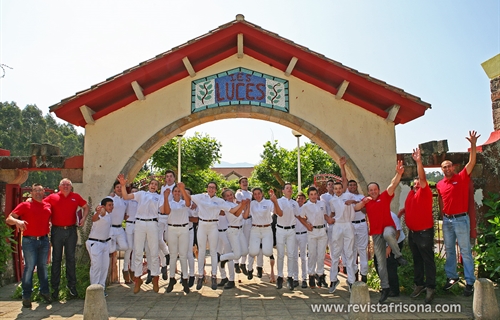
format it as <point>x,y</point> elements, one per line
<point>63,238</point>
<point>422,248</point>
<point>392,270</point>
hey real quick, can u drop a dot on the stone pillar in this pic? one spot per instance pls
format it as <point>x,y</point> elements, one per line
<point>485,304</point>
<point>360,302</point>
<point>492,69</point>
<point>95,307</point>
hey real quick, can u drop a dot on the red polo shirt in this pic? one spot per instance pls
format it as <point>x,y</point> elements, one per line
<point>36,215</point>
<point>379,213</point>
<point>455,193</point>
<point>64,208</point>
<point>418,207</point>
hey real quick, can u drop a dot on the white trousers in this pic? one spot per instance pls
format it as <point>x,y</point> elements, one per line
<point>360,246</point>
<point>129,231</point>
<point>178,242</point>
<point>118,240</point>
<point>162,237</point>
<point>285,238</point>
<point>207,231</point>
<point>247,227</point>
<point>316,243</point>
<point>190,254</point>
<point>258,236</point>
<point>300,245</point>
<point>238,245</point>
<point>342,244</point>
<point>146,231</point>
<point>224,247</point>
<point>99,261</point>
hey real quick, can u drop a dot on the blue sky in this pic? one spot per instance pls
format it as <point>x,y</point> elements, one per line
<point>431,49</point>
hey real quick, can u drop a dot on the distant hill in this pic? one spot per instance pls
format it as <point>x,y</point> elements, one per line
<point>224,164</point>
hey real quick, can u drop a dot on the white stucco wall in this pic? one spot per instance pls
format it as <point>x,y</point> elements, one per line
<point>366,139</point>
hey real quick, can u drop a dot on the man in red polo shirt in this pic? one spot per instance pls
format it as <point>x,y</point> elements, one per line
<point>454,203</point>
<point>64,205</point>
<point>32,219</point>
<point>382,227</point>
<point>420,222</point>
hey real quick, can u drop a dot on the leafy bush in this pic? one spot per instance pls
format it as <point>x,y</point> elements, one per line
<point>488,240</point>
<point>6,241</point>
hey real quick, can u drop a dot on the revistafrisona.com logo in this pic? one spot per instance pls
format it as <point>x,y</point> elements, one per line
<point>385,308</point>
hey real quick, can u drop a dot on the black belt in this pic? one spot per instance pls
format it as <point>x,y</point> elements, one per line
<point>64,227</point>
<point>319,227</point>
<point>249,217</point>
<point>103,241</point>
<point>116,225</point>
<point>35,238</point>
<point>235,227</point>
<point>155,219</point>
<point>423,231</point>
<point>162,214</point>
<point>213,220</point>
<point>359,221</point>
<point>132,222</point>
<point>177,225</point>
<point>454,216</point>
<point>286,228</point>
<point>222,230</point>
<point>261,225</point>
<point>301,232</point>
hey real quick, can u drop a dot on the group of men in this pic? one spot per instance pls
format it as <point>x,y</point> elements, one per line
<point>342,219</point>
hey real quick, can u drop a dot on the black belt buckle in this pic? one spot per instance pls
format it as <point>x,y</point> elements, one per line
<point>116,225</point>
<point>319,227</point>
<point>132,222</point>
<point>301,232</point>
<point>359,221</point>
<point>177,225</point>
<point>286,228</point>
<point>222,230</point>
<point>454,216</point>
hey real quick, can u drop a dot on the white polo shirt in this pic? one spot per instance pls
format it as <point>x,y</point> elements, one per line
<point>148,204</point>
<point>314,212</point>
<point>209,207</point>
<point>235,221</point>
<point>131,210</point>
<point>242,195</point>
<point>290,209</point>
<point>343,213</point>
<point>299,227</point>
<point>262,211</point>
<point>358,215</point>
<point>119,208</point>
<point>100,228</point>
<point>179,213</point>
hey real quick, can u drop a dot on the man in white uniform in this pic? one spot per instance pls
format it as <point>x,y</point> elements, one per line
<point>285,234</point>
<point>342,212</point>
<point>146,230</point>
<point>97,243</point>
<point>300,245</point>
<point>242,194</point>
<point>117,233</point>
<point>163,225</point>
<point>128,273</point>
<point>193,218</point>
<point>360,233</point>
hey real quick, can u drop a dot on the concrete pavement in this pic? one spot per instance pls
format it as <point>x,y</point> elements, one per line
<point>255,299</point>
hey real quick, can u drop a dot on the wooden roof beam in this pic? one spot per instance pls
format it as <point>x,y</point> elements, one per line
<point>392,112</point>
<point>87,114</point>
<point>341,89</point>
<point>188,66</point>
<point>240,46</point>
<point>291,65</point>
<point>138,90</point>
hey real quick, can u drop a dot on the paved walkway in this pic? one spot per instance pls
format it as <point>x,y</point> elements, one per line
<point>251,299</point>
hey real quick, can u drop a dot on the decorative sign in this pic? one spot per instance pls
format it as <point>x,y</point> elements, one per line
<point>239,86</point>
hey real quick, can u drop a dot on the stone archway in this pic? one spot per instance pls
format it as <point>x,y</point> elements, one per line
<point>130,115</point>
<point>138,159</point>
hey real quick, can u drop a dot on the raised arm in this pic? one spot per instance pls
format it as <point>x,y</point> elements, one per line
<point>360,205</point>
<point>420,167</point>
<point>400,169</point>
<point>472,157</point>
<point>343,173</point>
<point>242,207</point>
<point>185,195</point>
<point>277,208</point>
<point>123,183</point>
<point>165,208</point>
<point>99,212</point>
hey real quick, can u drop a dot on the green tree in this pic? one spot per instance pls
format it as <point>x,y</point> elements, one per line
<point>279,165</point>
<point>20,128</point>
<point>198,154</point>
